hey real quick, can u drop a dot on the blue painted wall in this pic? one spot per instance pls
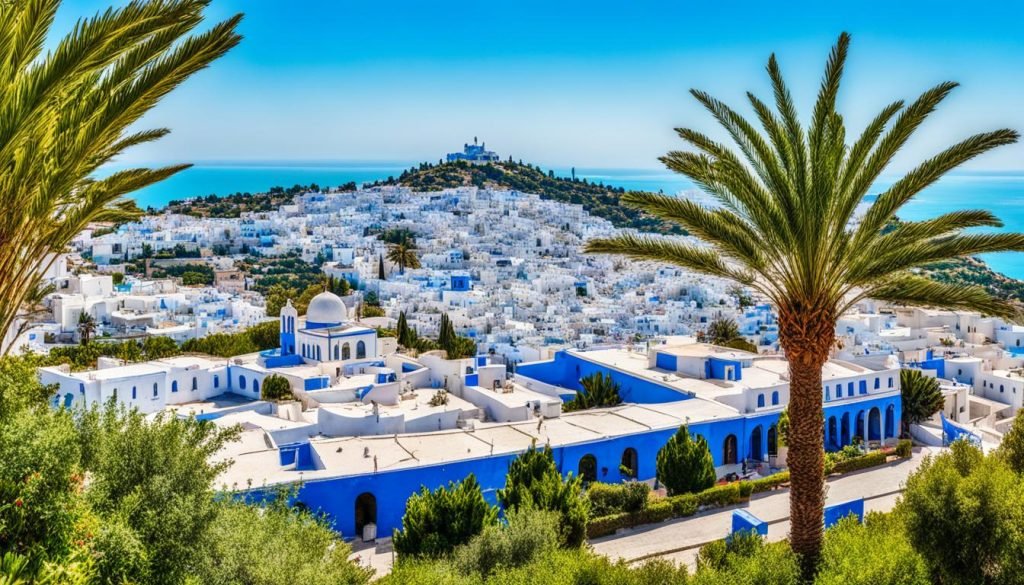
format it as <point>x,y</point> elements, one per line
<point>718,366</point>
<point>666,361</point>
<point>566,370</point>
<point>837,512</point>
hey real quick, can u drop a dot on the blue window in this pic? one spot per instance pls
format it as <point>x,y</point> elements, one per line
<point>863,386</point>
<point>849,388</point>
<point>878,383</point>
<point>135,392</point>
<point>760,400</point>
<point>828,395</point>
<point>216,381</point>
<point>360,350</point>
<point>174,386</point>
<point>241,382</point>
<point>337,352</point>
<point>256,386</point>
<point>775,397</point>
<point>890,381</point>
<point>81,388</point>
<point>318,353</point>
<point>195,384</point>
<point>156,390</point>
<point>839,390</point>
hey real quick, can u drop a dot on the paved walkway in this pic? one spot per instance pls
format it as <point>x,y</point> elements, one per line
<point>679,540</point>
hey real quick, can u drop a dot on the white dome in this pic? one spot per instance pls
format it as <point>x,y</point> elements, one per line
<point>326,309</point>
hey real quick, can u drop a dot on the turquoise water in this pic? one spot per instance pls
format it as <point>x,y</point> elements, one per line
<point>1002,193</point>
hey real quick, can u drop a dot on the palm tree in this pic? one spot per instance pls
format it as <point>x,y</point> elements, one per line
<point>86,327</point>
<point>69,111</point>
<point>599,391</point>
<point>921,397</point>
<point>723,330</point>
<point>404,254</point>
<point>785,228</point>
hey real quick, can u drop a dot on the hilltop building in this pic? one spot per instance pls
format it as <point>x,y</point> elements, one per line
<point>474,153</point>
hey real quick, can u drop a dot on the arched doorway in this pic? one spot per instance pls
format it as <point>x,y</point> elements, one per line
<point>844,430</point>
<point>629,465</point>
<point>875,424</point>
<point>773,441</point>
<point>756,449</point>
<point>831,443</point>
<point>859,425</point>
<point>588,468</point>
<point>890,421</point>
<point>729,451</point>
<point>366,512</point>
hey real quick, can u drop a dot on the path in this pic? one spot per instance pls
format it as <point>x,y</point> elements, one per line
<point>679,540</point>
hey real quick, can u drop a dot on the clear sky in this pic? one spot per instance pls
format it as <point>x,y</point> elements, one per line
<point>592,83</point>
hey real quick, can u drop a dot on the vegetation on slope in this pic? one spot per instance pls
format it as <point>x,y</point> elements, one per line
<point>598,199</point>
<point>233,205</point>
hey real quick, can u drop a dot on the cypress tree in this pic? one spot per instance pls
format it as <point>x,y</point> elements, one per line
<point>684,465</point>
<point>380,268</point>
<point>402,330</point>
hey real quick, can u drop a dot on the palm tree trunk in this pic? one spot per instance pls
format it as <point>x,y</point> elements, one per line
<point>806,336</point>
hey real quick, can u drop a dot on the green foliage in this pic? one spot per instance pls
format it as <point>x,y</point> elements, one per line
<point>850,459</point>
<point>190,274</point>
<point>534,481</point>
<point>599,391</point>
<point>372,311</point>
<point>234,204</point>
<point>769,483</point>
<point>608,498</point>
<point>528,535</point>
<point>685,465</point>
<point>274,544</point>
<point>782,428</point>
<point>877,551</point>
<point>963,512</point>
<point>256,338</point>
<point>720,495</point>
<point>904,448</point>
<point>722,330</point>
<point>746,558</point>
<point>276,388</point>
<point>1011,449</point>
<point>39,481</point>
<point>155,477</point>
<point>436,522</point>
<point>921,397</point>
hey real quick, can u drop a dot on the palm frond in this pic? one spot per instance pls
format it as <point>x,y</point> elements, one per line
<point>921,292</point>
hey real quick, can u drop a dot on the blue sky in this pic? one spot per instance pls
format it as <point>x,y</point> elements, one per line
<point>590,84</point>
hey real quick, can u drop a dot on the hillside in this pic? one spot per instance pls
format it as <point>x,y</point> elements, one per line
<point>598,199</point>
<point>975,271</point>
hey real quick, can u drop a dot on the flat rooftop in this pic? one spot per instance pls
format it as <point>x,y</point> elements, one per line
<point>350,456</point>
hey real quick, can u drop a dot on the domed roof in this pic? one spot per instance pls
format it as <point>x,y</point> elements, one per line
<point>326,309</point>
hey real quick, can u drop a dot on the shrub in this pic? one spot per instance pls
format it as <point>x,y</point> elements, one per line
<point>769,483</point>
<point>684,505</point>
<point>1011,449</point>
<point>436,522</point>
<point>605,499</point>
<point>533,480</point>
<point>605,525</point>
<point>877,551</point>
<point>746,559</point>
<point>721,495</point>
<point>657,512</point>
<point>872,459</point>
<point>599,390</point>
<point>528,534</point>
<point>276,388</point>
<point>685,465</point>
<point>963,512</point>
<point>904,448</point>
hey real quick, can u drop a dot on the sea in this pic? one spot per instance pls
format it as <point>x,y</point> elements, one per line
<point>1002,193</point>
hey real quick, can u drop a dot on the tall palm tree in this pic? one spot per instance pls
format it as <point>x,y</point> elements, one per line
<point>65,113</point>
<point>921,397</point>
<point>786,228</point>
<point>722,330</point>
<point>404,254</point>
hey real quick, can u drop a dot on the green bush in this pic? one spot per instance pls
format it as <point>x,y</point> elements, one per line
<point>684,505</point>
<point>528,534</point>
<point>770,482</point>
<point>533,480</point>
<point>276,388</point>
<point>746,488</point>
<point>904,448</point>
<point>605,499</point>
<point>684,465</point>
<point>658,511</point>
<point>872,459</point>
<point>721,495</point>
<point>877,551</point>
<point>436,522</point>
<point>605,525</point>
